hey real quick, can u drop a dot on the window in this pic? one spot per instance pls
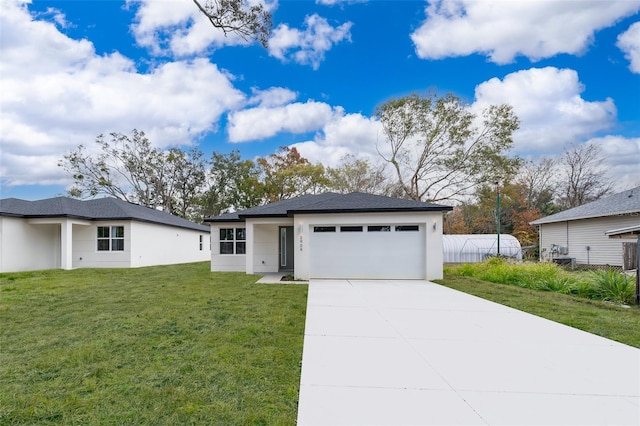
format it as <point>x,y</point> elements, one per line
<point>351,229</point>
<point>324,229</point>
<point>233,241</point>
<point>403,228</point>
<point>200,242</point>
<point>110,238</point>
<point>377,228</point>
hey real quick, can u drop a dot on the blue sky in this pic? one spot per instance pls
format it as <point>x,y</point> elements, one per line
<point>70,70</point>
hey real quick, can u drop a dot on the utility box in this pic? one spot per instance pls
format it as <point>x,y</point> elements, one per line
<point>629,256</point>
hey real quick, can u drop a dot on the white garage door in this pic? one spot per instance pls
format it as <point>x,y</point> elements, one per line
<point>368,251</point>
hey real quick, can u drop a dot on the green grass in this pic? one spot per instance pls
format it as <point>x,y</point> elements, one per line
<point>607,285</point>
<point>161,345</point>
<point>605,319</point>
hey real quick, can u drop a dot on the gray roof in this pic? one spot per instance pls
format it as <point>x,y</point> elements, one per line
<point>329,202</point>
<point>625,232</point>
<point>625,202</point>
<point>98,209</point>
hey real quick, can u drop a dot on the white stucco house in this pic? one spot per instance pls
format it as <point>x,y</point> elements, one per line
<point>332,235</point>
<point>67,233</point>
<point>580,233</point>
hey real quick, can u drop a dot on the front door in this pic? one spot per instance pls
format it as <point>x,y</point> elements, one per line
<point>286,249</point>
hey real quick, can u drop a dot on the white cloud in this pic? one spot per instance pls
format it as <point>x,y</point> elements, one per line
<point>550,107</point>
<point>505,29</point>
<point>345,134</point>
<point>263,122</point>
<point>629,43</point>
<point>274,96</point>
<point>622,157</point>
<point>309,46</point>
<point>70,95</point>
<point>177,28</point>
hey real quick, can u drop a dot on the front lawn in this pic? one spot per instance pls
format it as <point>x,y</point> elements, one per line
<point>161,345</point>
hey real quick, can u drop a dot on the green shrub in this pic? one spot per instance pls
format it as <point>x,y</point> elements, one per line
<point>602,285</point>
<point>612,286</point>
<point>559,284</point>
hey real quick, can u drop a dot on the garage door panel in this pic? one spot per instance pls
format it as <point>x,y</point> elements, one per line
<point>377,255</point>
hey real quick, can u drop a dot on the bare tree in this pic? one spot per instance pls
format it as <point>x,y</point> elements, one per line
<point>357,175</point>
<point>538,181</point>
<point>438,150</point>
<point>584,175</point>
<point>129,168</point>
<point>249,20</point>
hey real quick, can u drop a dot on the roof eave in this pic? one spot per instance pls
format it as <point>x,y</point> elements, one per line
<point>543,221</point>
<point>214,220</point>
<point>374,210</point>
<point>253,216</point>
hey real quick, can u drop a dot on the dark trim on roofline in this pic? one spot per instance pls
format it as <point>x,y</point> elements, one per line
<point>373,210</point>
<point>106,219</point>
<point>291,213</point>
<point>45,216</point>
<point>214,220</point>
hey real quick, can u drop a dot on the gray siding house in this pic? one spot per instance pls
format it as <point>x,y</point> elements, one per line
<point>579,233</point>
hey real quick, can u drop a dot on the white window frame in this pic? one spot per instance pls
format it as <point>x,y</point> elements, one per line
<point>111,238</point>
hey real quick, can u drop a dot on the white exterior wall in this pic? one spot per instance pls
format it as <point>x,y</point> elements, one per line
<point>27,247</point>
<point>576,235</point>
<point>152,244</point>
<point>265,233</point>
<point>85,247</point>
<point>433,237</point>
<point>226,262</point>
<point>35,244</point>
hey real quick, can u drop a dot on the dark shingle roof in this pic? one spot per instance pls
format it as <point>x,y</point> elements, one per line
<point>622,203</point>
<point>355,202</point>
<point>98,209</point>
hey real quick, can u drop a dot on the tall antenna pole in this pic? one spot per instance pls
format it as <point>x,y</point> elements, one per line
<point>498,218</point>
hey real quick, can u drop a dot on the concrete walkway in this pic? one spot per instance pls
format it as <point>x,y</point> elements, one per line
<point>413,352</point>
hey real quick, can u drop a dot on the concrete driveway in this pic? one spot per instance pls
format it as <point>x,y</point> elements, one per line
<point>414,352</point>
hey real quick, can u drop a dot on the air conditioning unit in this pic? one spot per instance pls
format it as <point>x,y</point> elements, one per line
<point>558,250</point>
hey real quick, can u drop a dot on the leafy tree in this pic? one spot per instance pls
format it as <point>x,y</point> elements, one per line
<point>455,221</point>
<point>480,216</point>
<point>584,176</point>
<point>437,150</point>
<point>233,184</point>
<point>248,19</point>
<point>357,175</point>
<point>129,168</point>
<point>287,174</point>
<point>181,181</point>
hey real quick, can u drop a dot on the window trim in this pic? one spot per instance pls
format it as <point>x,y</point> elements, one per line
<point>407,228</point>
<point>238,241</point>
<point>112,238</point>
<point>322,229</point>
<point>352,228</point>
<point>378,228</point>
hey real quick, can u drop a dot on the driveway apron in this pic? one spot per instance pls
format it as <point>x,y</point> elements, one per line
<point>417,353</point>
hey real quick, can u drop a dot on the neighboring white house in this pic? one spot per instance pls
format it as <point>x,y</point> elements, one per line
<point>462,248</point>
<point>67,233</point>
<point>332,236</point>
<point>579,233</point>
